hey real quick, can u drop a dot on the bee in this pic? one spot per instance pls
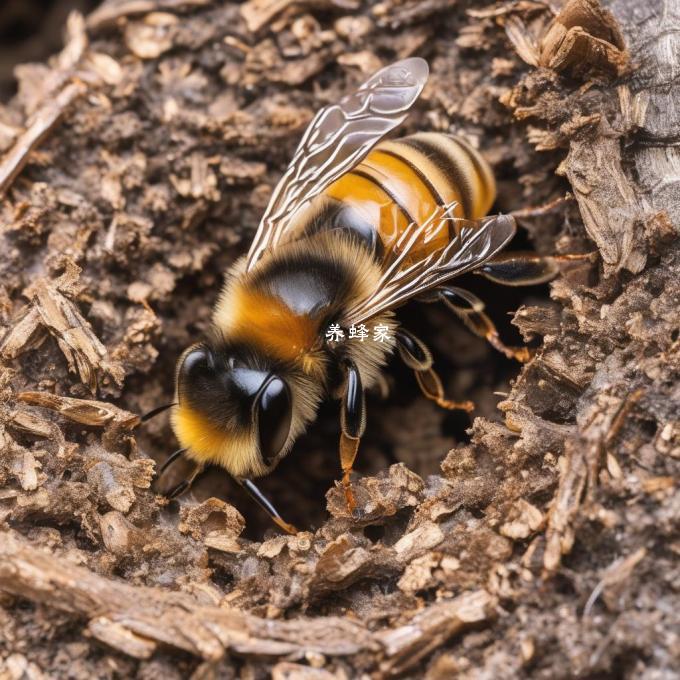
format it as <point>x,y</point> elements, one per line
<point>357,226</point>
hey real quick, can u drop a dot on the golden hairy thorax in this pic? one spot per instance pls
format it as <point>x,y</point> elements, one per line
<point>410,179</point>
<point>250,311</point>
<point>264,320</point>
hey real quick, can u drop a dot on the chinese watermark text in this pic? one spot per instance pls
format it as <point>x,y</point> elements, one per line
<point>380,333</point>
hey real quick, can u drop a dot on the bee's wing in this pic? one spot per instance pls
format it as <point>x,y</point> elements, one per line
<point>337,139</point>
<point>405,275</point>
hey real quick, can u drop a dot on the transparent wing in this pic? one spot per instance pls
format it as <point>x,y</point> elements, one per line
<point>336,140</point>
<point>406,275</point>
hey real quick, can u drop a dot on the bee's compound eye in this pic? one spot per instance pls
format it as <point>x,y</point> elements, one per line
<point>273,417</point>
<point>197,362</point>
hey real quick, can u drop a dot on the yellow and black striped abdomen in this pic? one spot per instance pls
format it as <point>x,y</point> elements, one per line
<point>409,179</point>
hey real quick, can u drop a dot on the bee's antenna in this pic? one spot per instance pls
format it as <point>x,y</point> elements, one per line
<point>154,412</point>
<point>171,460</point>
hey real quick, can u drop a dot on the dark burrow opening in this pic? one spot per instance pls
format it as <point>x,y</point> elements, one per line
<point>31,31</point>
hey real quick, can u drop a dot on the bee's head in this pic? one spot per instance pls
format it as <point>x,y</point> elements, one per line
<point>232,409</point>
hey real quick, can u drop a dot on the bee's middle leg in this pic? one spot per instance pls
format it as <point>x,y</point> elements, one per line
<point>352,425</point>
<point>417,356</point>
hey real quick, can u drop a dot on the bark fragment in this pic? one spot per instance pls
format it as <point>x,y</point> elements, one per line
<point>135,620</point>
<point>610,209</point>
<point>52,308</point>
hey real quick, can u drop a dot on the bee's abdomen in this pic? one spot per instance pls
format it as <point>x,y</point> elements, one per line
<point>410,179</point>
<point>449,168</point>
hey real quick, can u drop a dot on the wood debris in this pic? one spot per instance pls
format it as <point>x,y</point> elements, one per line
<point>51,309</point>
<point>407,645</point>
<point>112,11</point>
<point>582,37</point>
<point>135,620</point>
<point>65,84</point>
<point>615,575</point>
<point>85,411</point>
<point>215,522</point>
<point>153,35</point>
<point>611,213</point>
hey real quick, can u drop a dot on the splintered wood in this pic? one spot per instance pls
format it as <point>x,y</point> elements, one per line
<point>582,36</point>
<point>51,310</point>
<point>85,411</point>
<point>43,121</point>
<point>135,620</point>
<point>609,206</point>
<point>59,95</point>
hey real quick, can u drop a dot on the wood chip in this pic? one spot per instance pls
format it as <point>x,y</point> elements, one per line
<point>430,629</point>
<point>54,311</point>
<point>85,411</point>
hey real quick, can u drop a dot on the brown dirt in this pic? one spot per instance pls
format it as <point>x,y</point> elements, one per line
<point>541,542</point>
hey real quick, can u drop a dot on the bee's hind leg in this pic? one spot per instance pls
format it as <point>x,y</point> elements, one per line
<point>417,356</point>
<point>352,425</point>
<point>470,309</point>
<point>527,269</point>
<point>510,269</point>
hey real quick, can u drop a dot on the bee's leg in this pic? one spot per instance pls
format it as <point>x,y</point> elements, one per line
<point>185,484</point>
<point>526,269</point>
<point>180,488</point>
<point>352,425</point>
<point>417,356</point>
<point>544,209</point>
<point>266,505</point>
<point>471,311</point>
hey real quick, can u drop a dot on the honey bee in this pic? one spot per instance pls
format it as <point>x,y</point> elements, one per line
<point>356,227</point>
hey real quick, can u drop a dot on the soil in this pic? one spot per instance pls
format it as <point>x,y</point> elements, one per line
<point>538,538</point>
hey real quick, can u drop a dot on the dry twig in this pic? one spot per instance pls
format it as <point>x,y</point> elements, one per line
<point>135,620</point>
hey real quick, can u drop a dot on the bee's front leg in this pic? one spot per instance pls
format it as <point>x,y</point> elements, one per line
<point>184,484</point>
<point>266,505</point>
<point>352,424</point>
